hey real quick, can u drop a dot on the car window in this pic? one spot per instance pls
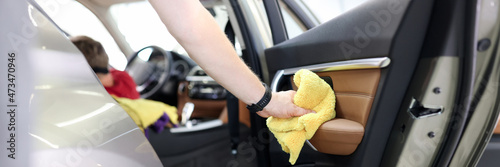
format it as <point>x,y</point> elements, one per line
<point>76,19</point>
<point>140,32</point>
<point>301,15</point>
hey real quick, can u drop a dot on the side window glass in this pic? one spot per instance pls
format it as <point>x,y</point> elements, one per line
<point>75,19</point>
<point>301,15</point>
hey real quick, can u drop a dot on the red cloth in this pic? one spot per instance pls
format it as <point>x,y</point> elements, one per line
<point>124,85</point>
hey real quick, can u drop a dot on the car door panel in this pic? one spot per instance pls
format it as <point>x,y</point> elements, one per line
<point>355,84</point>
<point>353,35</point>
<point>341,39</point>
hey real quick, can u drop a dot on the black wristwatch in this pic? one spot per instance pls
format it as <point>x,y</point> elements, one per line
<point>256,107</point>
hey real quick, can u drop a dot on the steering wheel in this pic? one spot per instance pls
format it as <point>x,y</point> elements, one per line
<point>150,68</point>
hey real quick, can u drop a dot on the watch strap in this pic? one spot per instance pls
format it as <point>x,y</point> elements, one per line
<point>259,106</point>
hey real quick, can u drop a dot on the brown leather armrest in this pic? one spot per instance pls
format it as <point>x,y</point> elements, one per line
<point>338,136</point>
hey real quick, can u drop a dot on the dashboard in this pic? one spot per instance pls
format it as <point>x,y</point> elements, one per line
<point>176,80</point>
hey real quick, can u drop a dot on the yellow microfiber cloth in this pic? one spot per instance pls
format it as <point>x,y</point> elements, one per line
<point>313,93</point>
<point>145,112</point>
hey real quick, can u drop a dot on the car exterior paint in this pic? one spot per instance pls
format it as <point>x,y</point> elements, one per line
<point>56,113</point>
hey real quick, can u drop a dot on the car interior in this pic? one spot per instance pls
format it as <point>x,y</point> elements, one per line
<point>383,58</point>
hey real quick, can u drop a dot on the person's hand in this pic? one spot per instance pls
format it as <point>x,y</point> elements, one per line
<point>282,106</point>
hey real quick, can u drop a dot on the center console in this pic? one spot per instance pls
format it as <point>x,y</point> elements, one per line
<point>208,97</point>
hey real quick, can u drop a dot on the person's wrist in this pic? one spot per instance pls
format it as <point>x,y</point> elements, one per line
<point>263,102</point>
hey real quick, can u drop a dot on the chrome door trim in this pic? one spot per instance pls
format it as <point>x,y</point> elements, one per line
<point>368,63</point>
<point>311,145</point>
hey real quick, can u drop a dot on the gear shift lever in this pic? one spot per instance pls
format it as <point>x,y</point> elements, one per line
<point>186,112</point>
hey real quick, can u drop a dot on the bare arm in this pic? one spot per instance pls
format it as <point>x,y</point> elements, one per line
<point>196,30</point>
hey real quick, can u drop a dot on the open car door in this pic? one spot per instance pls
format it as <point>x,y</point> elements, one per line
<point>55,110</point>
<point>409,77</point>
